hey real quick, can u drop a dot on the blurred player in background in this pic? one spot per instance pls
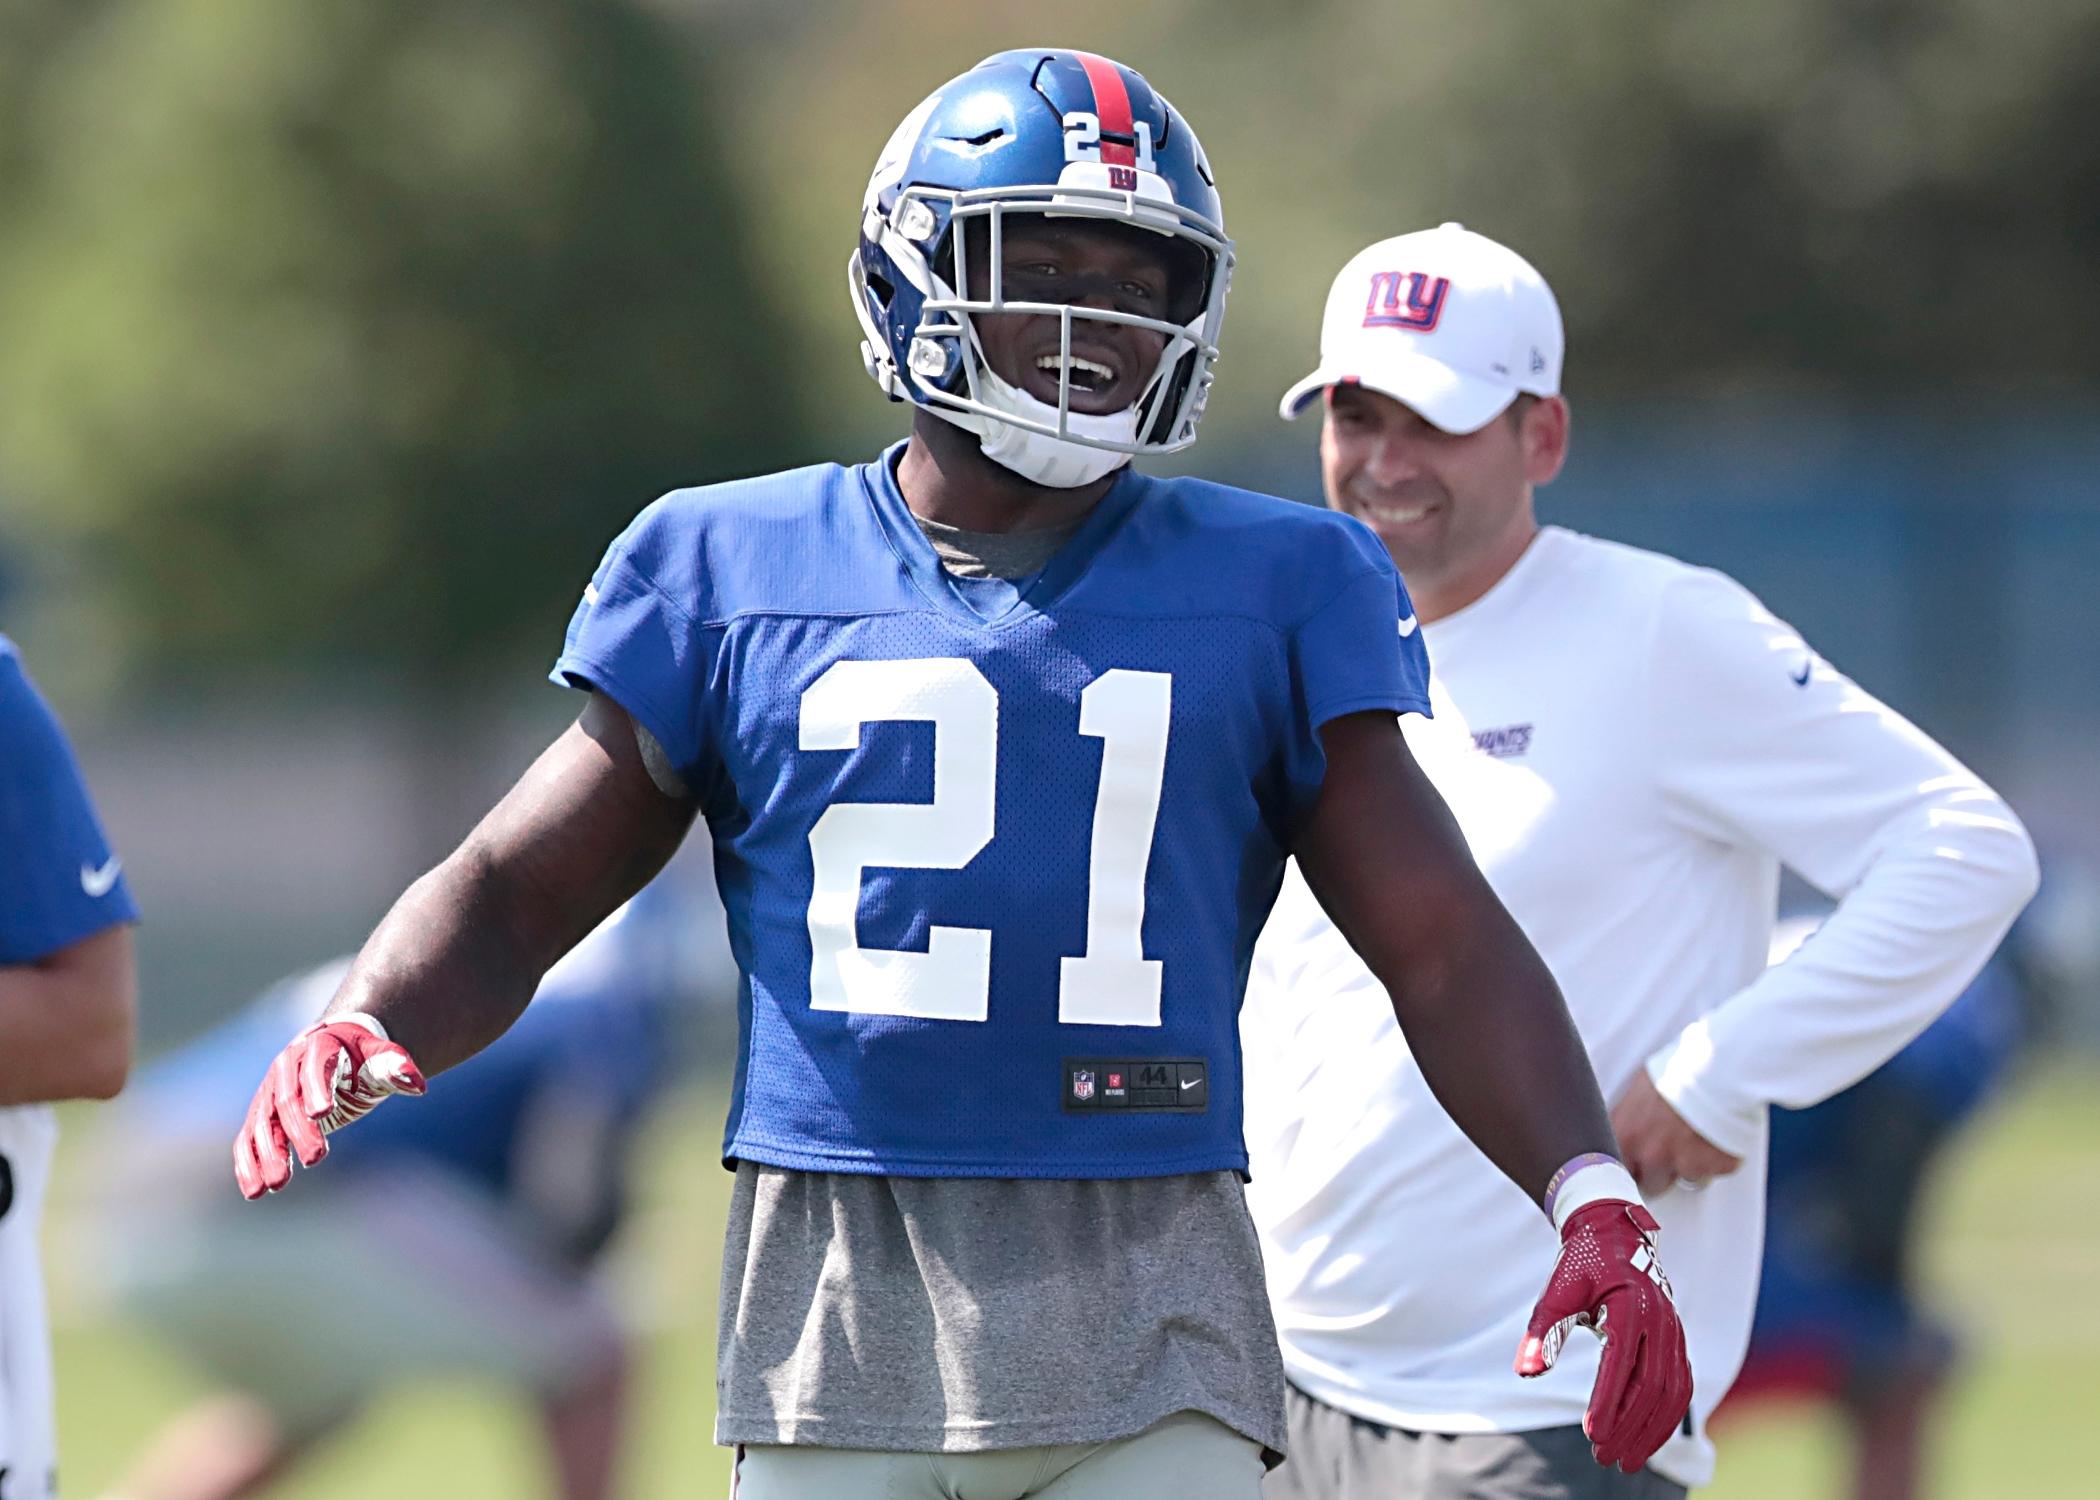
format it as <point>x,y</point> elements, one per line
<point>68,993</point>
<point>1839,1317</point>
<point>454,1237</point>
<point>1633,747</point>
<point>1001,746</point>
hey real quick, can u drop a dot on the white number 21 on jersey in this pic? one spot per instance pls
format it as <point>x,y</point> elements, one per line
<point>1112,983</point>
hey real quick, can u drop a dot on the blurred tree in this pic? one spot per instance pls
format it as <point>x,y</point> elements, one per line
<point>1887,195</point>
<point>352,331</point>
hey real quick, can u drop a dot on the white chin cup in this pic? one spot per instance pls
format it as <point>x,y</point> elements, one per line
<point>1056,462</point>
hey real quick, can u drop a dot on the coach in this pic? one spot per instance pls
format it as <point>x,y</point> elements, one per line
<point>1633,747</point>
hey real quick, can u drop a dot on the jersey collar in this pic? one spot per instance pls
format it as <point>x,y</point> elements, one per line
<point>879,480</point>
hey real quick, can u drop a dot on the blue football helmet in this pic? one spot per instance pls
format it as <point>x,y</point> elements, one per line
<point>1050,132</point>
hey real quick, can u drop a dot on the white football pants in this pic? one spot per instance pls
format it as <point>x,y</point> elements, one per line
<point>1188,1456</point>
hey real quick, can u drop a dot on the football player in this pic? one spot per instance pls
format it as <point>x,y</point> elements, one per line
<point>68,990</point>
<point>1633,747</point>
<point>1001,747</point>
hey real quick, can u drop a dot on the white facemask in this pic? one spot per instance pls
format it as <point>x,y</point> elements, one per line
<point>1036,456</point>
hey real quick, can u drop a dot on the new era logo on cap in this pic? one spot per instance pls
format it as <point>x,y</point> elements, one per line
<point>1446,321</point>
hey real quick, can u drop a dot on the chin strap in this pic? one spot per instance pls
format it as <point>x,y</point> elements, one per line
<point>1038,457</point>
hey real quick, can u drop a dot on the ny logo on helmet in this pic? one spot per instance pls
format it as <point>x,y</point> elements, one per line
<point>1405,299</point>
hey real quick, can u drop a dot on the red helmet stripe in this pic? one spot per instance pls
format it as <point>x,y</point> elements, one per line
<point>1112,104</point>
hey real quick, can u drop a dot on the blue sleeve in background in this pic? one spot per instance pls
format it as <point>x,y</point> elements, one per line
<point>59,882</point>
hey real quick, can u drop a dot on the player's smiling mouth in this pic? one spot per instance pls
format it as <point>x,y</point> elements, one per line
<point>1087,374</point>
<point>1099,376</point>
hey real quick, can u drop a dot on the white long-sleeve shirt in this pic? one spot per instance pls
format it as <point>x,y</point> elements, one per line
<point>1633,747</point>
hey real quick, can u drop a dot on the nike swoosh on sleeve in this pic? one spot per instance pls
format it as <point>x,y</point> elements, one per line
<point>99,883</point>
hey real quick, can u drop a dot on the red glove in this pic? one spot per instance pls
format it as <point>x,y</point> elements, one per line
<point>1608,1279</point>
<point>333,1072</point>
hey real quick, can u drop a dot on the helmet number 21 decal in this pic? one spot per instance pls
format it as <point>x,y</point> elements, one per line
<point>1083,143</point>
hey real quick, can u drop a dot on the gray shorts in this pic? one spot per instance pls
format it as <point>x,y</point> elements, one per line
<point>1335,1456</point>
<point>1189,1456</point>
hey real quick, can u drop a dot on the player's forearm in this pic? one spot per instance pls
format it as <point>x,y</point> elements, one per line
<point>66,1023</point>
<point>451,966</point>
<point>1497,1047</point>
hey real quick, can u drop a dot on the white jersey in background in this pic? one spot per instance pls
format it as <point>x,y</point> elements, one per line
<point>28,1133</point>
<point>1633,747</point>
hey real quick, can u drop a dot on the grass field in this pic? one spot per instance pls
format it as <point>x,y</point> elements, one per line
<point>2015,1257</point>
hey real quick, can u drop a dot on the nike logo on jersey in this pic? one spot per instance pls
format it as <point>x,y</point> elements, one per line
<point>1800,678</point>
<point>99,883</point>
<point>1407,627</point>
<point>1189,1083</point>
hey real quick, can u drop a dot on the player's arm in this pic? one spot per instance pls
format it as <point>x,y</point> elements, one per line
<point>66,1021</point>
<point>1480,1011</point>
<point>1497,1047</point>
<point>463,950</point>
<point>461,953</point>
<point>68,984</point>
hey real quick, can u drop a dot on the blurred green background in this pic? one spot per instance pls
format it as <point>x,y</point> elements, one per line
<point>337,339</point>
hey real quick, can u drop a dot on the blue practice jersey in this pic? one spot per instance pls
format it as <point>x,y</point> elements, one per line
<point>59,883</point>
<point>994,856</point>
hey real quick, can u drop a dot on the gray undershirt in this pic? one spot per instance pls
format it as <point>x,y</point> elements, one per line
<point>996,554</point>
<point>962,1314</point>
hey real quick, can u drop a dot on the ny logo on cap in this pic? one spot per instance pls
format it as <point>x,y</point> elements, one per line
<point>1405,299</point>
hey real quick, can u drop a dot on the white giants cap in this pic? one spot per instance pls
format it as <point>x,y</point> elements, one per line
<point>1445,321</point>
